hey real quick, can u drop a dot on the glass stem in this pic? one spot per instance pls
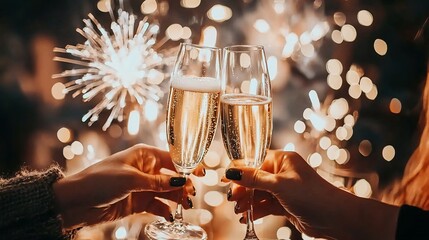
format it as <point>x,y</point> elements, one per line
<point>250,225</point>
<point>178,215</point>
<point>250,230</point>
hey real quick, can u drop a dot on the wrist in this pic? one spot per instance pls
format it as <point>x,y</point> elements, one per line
<point>67,202</point>
<point>343,214</point>
<point>383,217</point>
<point>63,203</point>
<point>369,219</point>
<point>59,195</point>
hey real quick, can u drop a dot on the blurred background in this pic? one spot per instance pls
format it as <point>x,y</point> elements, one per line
<point>346,75</point>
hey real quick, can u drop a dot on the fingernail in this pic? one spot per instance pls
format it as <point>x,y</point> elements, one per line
<point>236,208</point>
<point>171,218</point>
<point>177,181</point>
<point>233,174</point>
<point>204,171</point>
<point>191,205</point>
<point>241,220</point>
<point>195,191</point>
<point>229,194</point>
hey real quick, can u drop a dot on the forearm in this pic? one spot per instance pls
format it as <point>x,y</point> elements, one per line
<point>368,219</point>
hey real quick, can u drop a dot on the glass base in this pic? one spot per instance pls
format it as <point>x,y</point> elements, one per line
<point>251,236</point>
<point>163,230</point>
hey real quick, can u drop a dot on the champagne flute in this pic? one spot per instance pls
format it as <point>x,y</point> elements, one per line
<point>192,116</point>
<point>246,111</point>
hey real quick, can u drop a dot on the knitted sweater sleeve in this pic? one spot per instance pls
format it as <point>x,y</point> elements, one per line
<point>27,207</point>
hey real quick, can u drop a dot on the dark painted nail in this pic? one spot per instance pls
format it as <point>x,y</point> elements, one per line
<point>204,171</point>
<point>242,220</point>
<point>191,205</point>
<point>229,194</point>
<point>171,218</point>
<point>177,181</point>
<point>233,174</point>
<point>236,208</point>
<point>195,191</point>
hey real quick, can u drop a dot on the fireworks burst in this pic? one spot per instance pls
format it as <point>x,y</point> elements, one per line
<point>123,66</point>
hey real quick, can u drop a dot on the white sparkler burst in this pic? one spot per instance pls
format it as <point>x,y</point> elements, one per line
<point>123,66</point>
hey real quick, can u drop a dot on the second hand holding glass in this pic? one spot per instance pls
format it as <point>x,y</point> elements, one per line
<point>193,110</point>
<point>246,111</point>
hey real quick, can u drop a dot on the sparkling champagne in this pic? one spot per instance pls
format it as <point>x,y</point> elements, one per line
<point>246,127</point>
<point>191,119</point>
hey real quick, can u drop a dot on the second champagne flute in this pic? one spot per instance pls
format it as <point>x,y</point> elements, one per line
<point>192,116</point>
<point>246,111</point>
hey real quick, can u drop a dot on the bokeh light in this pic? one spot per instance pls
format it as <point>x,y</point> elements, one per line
<point>149,6</point>
<point>115,131</point>
<point>334,66</point>
<point>174,31</point>
<point>103,6</point>
<point>308,50</point>
<point>365,18</point>
<point>362,188</point>
<point>343,156</point>
<point>337,37</point>
<point>299,126</point>
<point>133,125</point>
<point>333,152</point>
<point>338,108</point>
<point>57,91</point>
<point>315,160</point>
<point>77,148</point>
<point>341,133</point>
<point>151,110</point>
<point>372,94</point>
<point>284,233</point>
<point>380,47</point>
<point>388,153</point>
<point>334,81</point>
<point>366,84</point>
<point>289,147</point>
<point>339,18</point>
<point>355,91</point>
<point>272,63</point>
<point>352,77</point>
<point>190,3</point>
<point>211,178</point>
<point>187,33</point>
<point>219,13</point>
<point>305,237</point>
<point>67,152</point>
<point>64,135</point>
<point>213,198</point>
<point>348,32</point>
<point>395,106</point>
<point>212,159</point>
<point>349,120</point>
<point>261,25</point>
<point>205,216</point>
<point>325,142</point>
<point>121,233</point>
<point>365,148</point>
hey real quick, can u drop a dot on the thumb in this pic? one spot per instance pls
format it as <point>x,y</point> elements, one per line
<point>251,177</point>
<point>158,182</point>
